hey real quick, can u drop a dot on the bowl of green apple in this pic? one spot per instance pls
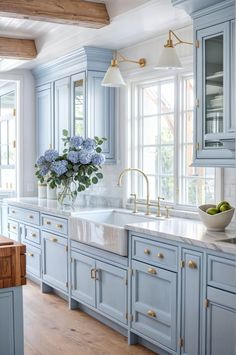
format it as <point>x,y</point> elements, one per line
<point>216,217</point>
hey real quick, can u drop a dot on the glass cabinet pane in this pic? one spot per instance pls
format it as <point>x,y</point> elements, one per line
<point>79,106</point>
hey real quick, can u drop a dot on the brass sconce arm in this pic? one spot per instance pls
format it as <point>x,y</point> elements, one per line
<point>170,43</point>
<point>121,58</point>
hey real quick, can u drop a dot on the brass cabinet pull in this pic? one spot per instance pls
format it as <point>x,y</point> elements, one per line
<point>152,271</point>
<point>13,227</point>
<point>53,239</point>
<point>30,254</point>
<point>192,264</point>
<point>92,273</point>
<point>151,314</point>
<point>160,255</point>
<point>48,222</point>
<point>31,217</point>
<point>59,225</point>
<point>33,235</point>
<point>147,251</point>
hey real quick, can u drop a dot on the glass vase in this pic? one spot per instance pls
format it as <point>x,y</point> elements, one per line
<point>68,193</point>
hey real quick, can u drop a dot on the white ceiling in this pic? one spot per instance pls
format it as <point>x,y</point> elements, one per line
<point>132,21</point>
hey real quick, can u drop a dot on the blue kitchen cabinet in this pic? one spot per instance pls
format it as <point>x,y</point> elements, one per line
<point>55,258</point>
<point>83,278</point>
<point>11,321</point>
<point>62,111</point>
<point>192,301</point>
<point>221,322</point>
<point>78,104</point>
<point>154,304</point>
<point>101,112</point>
<point>44,123</point>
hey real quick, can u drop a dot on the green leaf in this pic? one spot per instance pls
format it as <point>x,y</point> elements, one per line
<point>98,150</point>
<point>94,180</point>
<point>99,175</point>
<point>65,132</point>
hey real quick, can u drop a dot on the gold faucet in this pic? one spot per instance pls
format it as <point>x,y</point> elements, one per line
<point>159,206</point>
<point>147,182</point>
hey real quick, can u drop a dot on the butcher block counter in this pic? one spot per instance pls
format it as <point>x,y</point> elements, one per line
<point>12,277</point>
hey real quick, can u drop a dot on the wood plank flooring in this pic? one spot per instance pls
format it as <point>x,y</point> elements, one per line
<point>52,329</point>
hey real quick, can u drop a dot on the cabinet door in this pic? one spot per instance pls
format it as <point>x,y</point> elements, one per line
<point>33,261</point>
<point>62,116</point>
<point>83,278</point>
<point>111,291</point>
<point>154,303</point>
<point>213,92</point>
<point>43,118</point>
<point>78,114</point>
<point>6,324</point>
<point>221,322</point>
<point>101,112</point>
<point>192,302</point>
<point>55,261</point>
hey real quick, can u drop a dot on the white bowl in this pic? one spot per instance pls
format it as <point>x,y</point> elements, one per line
<point>217,222</point>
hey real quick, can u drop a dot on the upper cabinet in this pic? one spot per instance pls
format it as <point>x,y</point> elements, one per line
<point>214,57</point>
<point>70,96</point>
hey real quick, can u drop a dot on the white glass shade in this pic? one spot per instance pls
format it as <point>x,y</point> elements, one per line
<point>113,77</point>
<point>168,59</point>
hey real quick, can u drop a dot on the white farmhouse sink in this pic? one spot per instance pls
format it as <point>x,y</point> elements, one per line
<point>104,228</point>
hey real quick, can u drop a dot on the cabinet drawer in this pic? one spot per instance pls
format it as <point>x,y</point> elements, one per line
<point>22,214</point>
<point>32,235</point>
<point>159,254</point>
<point>221,273</point>
<point>12,227</point>
<point>33,261</point>
<point>58,225</point>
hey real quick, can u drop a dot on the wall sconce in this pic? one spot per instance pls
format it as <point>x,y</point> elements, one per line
<point>113,77</point>
<point>169,58</point>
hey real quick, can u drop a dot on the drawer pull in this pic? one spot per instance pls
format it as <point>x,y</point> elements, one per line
<point>33,235</point>
<point>147,251</point>
<point>151,314</point>
<point>59,225</point>
<point>92,273</point>
<point>160,256</point>
<point>48,222</point>
<point>14,227</point>
<point>30,254</point>
<point>192,264</point>
<point>53,240</point>
<point>152,271</point>
<point>31,217</point>
<point>13,211</point>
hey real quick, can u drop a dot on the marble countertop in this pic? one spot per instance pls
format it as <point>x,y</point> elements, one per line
<point>188,231</point>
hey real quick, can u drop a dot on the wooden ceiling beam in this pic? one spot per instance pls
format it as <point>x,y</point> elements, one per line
<point>14,48</point>
<point>71,12</point>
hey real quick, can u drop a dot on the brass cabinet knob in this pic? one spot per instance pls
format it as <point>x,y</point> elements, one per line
<point>33,235</point>
<point>31,217</point>
<point>48,222</point>
<point>192,264</point>
<point>14,227</point>
<point>160,255</point>
<point>147,251</point>
<point>53,239</point>
<point>59,225</point>
<point>13,211</point>
<point>152,271</point>
<point>30,254</point>
<point>151,314</point>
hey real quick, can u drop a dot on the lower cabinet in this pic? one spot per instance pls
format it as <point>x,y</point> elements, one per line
<point>221,322</point>
<point>100,285</point>
<point>55,259</point>
<point>154,303</point>
<point>11,321</point>
<point>33,261</point>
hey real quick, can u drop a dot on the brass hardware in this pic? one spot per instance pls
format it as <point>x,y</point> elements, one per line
<point>92,273</point>
<point>59,225</point>
<point>34,235</point>
<point>135,210</point>
<point>126,316</point>
<point>66,284</point>
<point>131,271</point>
<point>192,264</point>
<point>14,112</point>
<point>197,146</point>
<point>53,239</point>
<point>96,271</point>
<point>48,222</point>
<point>66,248</point>
<point>14,144</point>
<point>13,211</point>
<point>147,251</point>
<point>181,342</point>
<point>206,303</point>
<point>170,44</point>
<point>152,271</point>
<point>197,103</point>
<point>30,254</point>
<point>159,206</point>
<point>160,255</point>
<point>126,281</point>
<point>31,217</point>
<point>151,314</point>
<point>147,183</point>
<point>168,208</point>
<point>197,43</point>
<point>181,264</point>
<point>114,63</point>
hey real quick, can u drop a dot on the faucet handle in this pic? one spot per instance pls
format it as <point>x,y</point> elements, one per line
<point>168,208</point>
<point>160,198</point>
<point>135,210</point>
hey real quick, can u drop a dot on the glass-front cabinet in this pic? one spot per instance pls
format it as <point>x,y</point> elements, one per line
<point>78,104</point>
<point>215,134</point>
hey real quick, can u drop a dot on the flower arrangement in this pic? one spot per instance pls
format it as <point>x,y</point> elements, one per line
<point>80,165</point>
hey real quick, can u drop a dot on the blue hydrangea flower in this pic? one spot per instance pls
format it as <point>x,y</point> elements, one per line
<point>59,167</point>
<point>41,160</point>
<point>44,170</point>
<point>51,155</point>
<point>85,156</point>
<point>98,159</point>
<point>73,156</point>
<point>89,144</point>
<point>76,142</point>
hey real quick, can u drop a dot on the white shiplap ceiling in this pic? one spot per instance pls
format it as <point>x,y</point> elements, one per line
<point>132,21</point>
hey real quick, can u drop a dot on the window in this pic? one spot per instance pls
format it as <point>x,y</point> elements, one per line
<point>163,141</point>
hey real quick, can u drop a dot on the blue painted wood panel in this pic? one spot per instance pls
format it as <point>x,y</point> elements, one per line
<point>221,273</point>
<point>43,118</point>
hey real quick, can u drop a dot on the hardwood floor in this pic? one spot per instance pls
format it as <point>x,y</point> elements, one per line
<point>52,329</point>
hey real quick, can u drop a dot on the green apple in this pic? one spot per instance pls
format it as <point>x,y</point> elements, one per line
<point>226,203</point>
<point>225,207</point>
<point>212,210</point>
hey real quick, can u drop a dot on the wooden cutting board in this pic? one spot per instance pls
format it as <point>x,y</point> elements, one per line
<point>12,263</point>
